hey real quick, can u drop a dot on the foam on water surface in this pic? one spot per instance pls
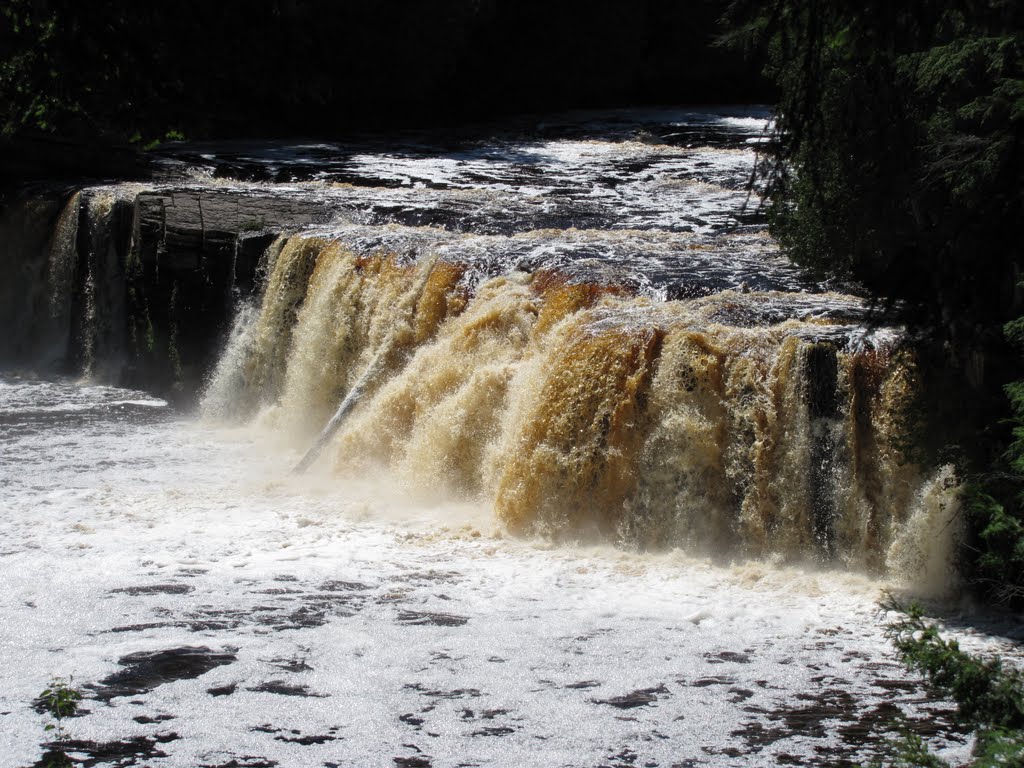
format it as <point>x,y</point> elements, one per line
<point>587,336</point>
<point>218,609</point>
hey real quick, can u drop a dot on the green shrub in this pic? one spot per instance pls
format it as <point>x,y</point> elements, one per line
<point>988,693</point>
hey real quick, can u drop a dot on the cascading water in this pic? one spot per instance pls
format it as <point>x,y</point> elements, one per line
<point>749,423</point>
<point>620,486</point>
<point>67,290</point>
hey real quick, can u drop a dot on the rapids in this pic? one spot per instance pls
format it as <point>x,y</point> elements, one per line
<point>623,490</point>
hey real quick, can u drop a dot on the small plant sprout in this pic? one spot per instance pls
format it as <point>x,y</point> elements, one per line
<point>59,700</point>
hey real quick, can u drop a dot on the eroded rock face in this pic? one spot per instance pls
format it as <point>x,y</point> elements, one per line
<point>195,256</point>
<point>129,284</point>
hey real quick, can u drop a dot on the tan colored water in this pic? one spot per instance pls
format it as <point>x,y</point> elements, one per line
<point>579,410</point>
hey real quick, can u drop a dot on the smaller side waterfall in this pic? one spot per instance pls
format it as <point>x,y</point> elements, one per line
<point>100,340</point>
<point>38,262</point>
<point>65,282</point>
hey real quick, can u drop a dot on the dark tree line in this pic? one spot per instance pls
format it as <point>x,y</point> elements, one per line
<point>899,161</point>
<point>315,67</point>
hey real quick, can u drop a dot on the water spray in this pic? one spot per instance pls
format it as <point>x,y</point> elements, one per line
<point>376,367</point>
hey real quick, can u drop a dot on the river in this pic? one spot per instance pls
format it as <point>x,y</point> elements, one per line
<point>623,492</point>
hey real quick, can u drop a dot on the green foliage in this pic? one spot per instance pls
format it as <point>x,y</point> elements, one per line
<point>994,503</point>
<point>59,700</point>
<point>994,748</point>
<point>989,694</point>
<point>897,162</point>
<point>900,147</point>
<point>999,748</point>
<point>56,758</point>
<point>998,543</point>
<point>911,751</point>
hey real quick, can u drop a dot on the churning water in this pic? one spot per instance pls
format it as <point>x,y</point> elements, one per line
<point>623,492</point>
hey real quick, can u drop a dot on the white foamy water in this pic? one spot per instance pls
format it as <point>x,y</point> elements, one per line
<point>345,623</point>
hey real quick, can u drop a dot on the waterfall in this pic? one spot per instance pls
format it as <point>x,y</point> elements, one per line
<point>742,423</point>
<point>61,266</point>
<point>38,264</point>
<point>64,282</point>
<point>575,333</point>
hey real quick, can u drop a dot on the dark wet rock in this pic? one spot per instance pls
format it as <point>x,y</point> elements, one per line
<point>282,688</point>
<point>411,719</point>
<point>499,731</point>
<point>728,656</point>
<point>727,751</point>
<point>145,671</point>
<point>219,613</point>
<point>200,625</point>
<point>897,685</point>
<point>833,711</point>
<point>487,714</point>
<point>155,589</point>
<point>740,694</point>
<point>338,603</point>
<point>830,704</point>
<point>291,665</point>
<point>127,752</point>
<point>306,617</point>
<point>623,758</point>
<point>458,693</point>
<point>142,627</point>
<point>146,720</point>
<point>432,577</point>
<point>306,740</point>
<point>583,684</point>
<point>784,758</point>
<point>423,618</point>
<point>394,596</point>
<point>210,625</point>
<point>265,728</point>
<point>412,762</point>
<point>222,690</point>
<point>639,698</point>
<point>705,682</point>
<point>343,586</point>
<point>591,635</point>
<point>807,721</point>
<point>247,761</point>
